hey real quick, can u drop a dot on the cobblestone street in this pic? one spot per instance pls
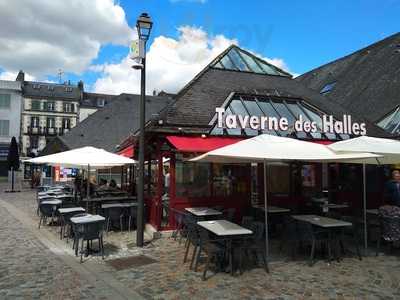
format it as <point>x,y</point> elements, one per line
<point>36,264</point>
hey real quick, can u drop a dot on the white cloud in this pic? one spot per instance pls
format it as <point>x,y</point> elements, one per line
<point>6,75</point>
<point>42,36</point>
<point>171,63</point>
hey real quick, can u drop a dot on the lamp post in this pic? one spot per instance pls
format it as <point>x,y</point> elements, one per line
<point>143,25</point>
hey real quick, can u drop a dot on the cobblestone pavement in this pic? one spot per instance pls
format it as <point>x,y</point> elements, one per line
<point>168,278</point>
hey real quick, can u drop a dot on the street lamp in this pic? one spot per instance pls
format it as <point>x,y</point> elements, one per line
<point>143,25</point>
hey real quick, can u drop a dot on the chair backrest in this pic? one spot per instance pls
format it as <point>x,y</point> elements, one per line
<point>258,230</point>
<point>246,221</point>
<point>290,228</point>
<point>229,214</point>
<point>114,213</point>
<point>93,230</point>
<point>390,228</point>
<point>304,231</point>
<point>46,209</point>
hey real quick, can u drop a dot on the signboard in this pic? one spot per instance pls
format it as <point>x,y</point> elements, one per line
<point>136,50</point>
<point>328,124</point>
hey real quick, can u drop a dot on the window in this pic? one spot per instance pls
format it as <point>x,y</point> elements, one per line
<point>66,123</point>
<point>274,108</point>
<point>50,106</point>
<point>34,141</point>
<point>4,127</point>
<point>68,107</point>
<point>192,179</point>
<point>35,105</point>
<point>34,122</point>
<point>50,123</point>
<point>100,102</point>
<point>327,88</point>
<point>5,101</point>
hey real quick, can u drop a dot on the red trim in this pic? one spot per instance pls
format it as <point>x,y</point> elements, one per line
<point>127,152</point>
<point>199,144</point>
<point>322,142</point>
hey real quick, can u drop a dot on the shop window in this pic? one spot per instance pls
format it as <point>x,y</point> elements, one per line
<point>192,179</point>
<point>279,178</point>
<point>231,180</point>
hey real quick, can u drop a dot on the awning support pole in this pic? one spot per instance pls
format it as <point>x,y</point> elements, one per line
<point>266,216</point>
<point>365,208</point>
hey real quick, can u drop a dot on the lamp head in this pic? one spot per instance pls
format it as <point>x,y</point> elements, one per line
<point>143,26</point>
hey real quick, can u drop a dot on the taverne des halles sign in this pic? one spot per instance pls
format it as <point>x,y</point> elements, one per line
<point>328,125</point>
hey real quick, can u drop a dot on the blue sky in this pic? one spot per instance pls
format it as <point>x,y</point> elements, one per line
<point>299,35</point>
<point>305,34</point>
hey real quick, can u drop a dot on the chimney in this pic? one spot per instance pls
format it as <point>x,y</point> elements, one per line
<point>80,87</point>
<point>20,76</point>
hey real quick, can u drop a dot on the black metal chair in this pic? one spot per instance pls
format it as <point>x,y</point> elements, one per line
<point>307,233</point>
<point>289,236</point>
<point>192,236</point>
<point>46,211</point>
<point>389,231</point>
<point>213,249</point>
<point>229,214</point>
<point>254,244</point>
<point>114,215</point>
<point>89,232</point>
<point>247,221</point>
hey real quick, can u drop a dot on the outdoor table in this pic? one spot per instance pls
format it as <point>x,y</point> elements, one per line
<point>373,211</point>
<point>320,221</point>
<point>70,209</point>
<point>329,224</point>
<point>98,201</point>
<point>87,219</point>
<point>226,229</point>
<point>53,202</point>
<point>203,212</point>
<point>110,205</point>
<point>66,213</point>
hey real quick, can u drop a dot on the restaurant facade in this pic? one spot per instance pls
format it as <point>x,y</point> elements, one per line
<point>238,96</point>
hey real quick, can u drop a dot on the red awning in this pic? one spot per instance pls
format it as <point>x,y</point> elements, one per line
<point>199,144</point>
<point>322,142</point>
<point>127,152</point>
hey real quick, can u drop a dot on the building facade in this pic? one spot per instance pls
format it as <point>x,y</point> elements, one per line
<point>10,118</point>
<point>48,110</point>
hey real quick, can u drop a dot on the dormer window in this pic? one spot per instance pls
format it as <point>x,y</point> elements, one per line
<point>327,88</point>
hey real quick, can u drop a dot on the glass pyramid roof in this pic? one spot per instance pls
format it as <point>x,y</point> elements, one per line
<point>238,59</point>
<point>391,122</point>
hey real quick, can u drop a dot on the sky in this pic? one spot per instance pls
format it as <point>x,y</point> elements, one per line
<point>88,39</point>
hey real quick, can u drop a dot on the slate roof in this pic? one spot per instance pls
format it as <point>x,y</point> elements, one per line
<point>195,104</point>
<point>91,100</point>
<point>51,90</point>
<point>109,126</point>
<point>367,81</point>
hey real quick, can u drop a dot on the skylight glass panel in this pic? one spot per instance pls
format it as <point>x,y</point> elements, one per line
<point>238,108</point>
<point>233,131</point>
<point>385,121</point>
<point>297,111</point>
<point>219,65</point>
<point>327,88</point>
<point>393,124</point>
<point>284,112</point>
<point>317,118</point>
<point>237,60</point>
<point>227,62</point>
<point>255,110</point>
<point>251,63</point>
